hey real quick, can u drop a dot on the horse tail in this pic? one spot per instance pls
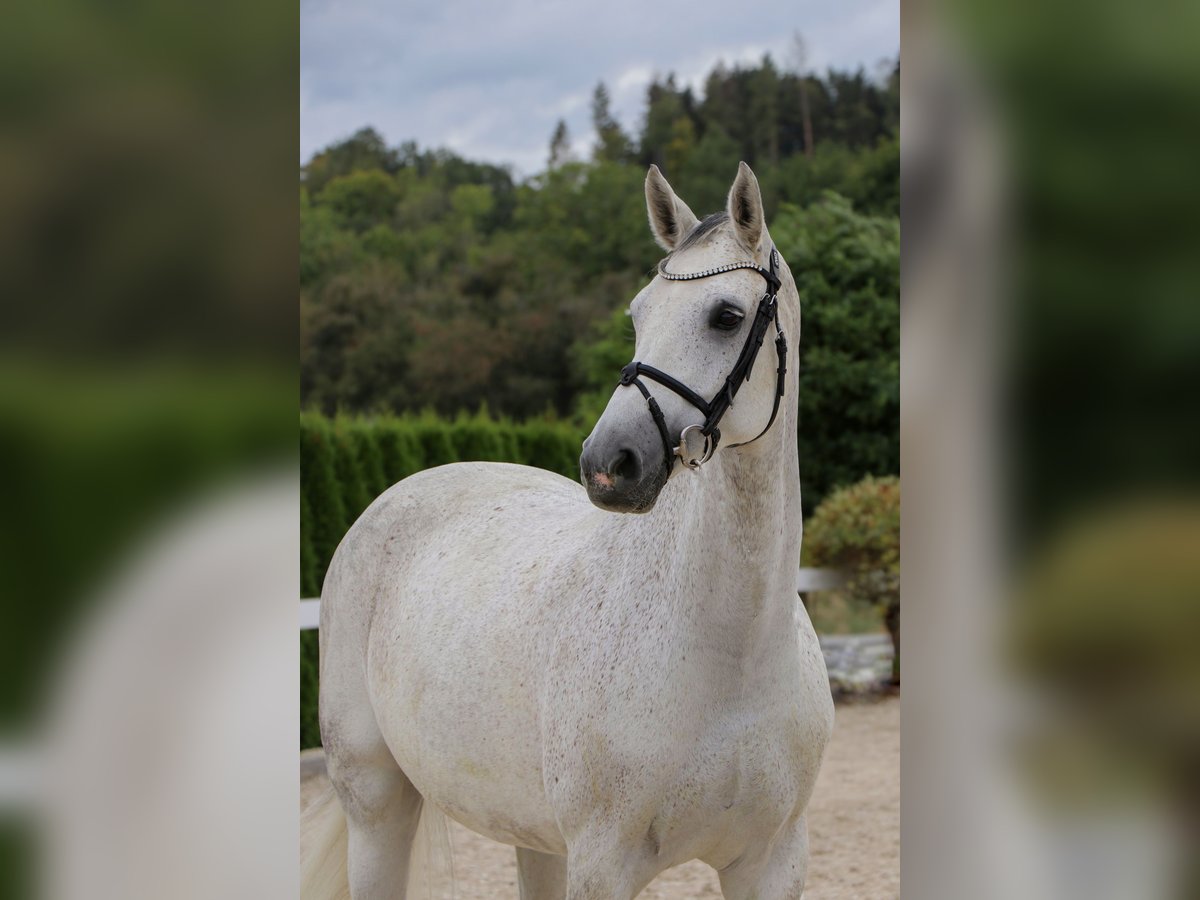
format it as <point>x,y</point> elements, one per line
<point>323,845</point>
<point>431,869</point>
<point>323,850</point>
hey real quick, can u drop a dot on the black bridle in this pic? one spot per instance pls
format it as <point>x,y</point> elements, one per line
<point>710,435</point>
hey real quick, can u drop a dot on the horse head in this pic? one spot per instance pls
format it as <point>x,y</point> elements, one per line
<point>699,325</point>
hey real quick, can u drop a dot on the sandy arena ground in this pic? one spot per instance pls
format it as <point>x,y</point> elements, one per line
<point>854,823</point>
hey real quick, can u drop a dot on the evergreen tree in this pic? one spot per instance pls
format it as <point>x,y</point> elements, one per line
<point>800,64</point>
<point>612,145</point>
<point>664,107</point>
<point>679,148</point>
<point>560,146</point>
<point>764,112</point>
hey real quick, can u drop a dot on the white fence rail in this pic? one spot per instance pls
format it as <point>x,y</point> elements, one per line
<point>807,580</point>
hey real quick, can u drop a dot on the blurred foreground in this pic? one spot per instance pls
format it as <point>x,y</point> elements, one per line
<point>1051,346</point>
<point>147,429</point>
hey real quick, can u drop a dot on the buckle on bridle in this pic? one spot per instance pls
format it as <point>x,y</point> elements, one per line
<point>693,453</point>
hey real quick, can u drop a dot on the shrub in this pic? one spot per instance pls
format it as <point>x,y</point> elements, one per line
<point>401,451</point>
<point>365,437</point>
<point>479,438</point>
<point>309,586</point>
<point>348,469</point>
<point>857,529</point>
<point>434,438</point>
<point>310,729</point>
<point>319,482</point>
<point>549,445</point>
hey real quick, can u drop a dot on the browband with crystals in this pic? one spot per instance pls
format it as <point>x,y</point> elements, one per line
<point>768,274</point>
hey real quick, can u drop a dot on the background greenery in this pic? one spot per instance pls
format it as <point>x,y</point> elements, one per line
<point>431,281</point>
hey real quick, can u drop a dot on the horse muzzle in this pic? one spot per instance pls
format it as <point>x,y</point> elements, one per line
<point>620,477</point>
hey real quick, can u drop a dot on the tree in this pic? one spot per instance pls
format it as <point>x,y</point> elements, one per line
<point>611,143</point>
<point>362,151</point>
<point>325,247</point>
<point>705,176</point>
<point>664,107</point>
<point>847,271</point>
<point>362,199</point>
<point>800,66</point>
<point>427,277</point>
<point>679,147</point>
<point>560,146</point>
<point>764,112</point>
<point>355,339</point>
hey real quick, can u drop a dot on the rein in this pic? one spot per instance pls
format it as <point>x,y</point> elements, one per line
<point>698,443</point>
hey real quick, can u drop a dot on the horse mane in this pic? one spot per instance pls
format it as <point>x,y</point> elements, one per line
<point>706,226</point>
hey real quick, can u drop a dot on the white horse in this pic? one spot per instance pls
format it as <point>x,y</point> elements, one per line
<point>611,694</point>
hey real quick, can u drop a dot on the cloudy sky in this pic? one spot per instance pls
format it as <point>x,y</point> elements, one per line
<point>490,80</point>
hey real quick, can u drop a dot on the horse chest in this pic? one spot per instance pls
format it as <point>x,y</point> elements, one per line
<point>692,781</point>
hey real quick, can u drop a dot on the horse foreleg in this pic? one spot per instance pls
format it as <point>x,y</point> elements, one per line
<point>778,874</point>
<point>598,884</point>
<point>607,868</point>
<point>541,876</point>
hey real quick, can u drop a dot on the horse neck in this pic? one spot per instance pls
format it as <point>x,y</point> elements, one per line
<point>725,540</point>
<point>747,510</point>
<point>744,505</point>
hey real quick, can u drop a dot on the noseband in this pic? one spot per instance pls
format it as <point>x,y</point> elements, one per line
<point>698,443</point>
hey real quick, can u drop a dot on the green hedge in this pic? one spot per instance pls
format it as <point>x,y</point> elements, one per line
<point>346,462</point>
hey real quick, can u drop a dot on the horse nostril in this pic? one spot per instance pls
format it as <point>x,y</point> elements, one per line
<point>625,465</point>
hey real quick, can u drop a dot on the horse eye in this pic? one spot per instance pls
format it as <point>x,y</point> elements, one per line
<point>727,319</point>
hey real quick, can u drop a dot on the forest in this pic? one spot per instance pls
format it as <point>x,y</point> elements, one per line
<point>429,282</point>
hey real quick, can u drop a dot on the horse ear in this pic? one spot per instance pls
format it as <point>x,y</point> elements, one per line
<point>746,208</point>
<point>670,218</point>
